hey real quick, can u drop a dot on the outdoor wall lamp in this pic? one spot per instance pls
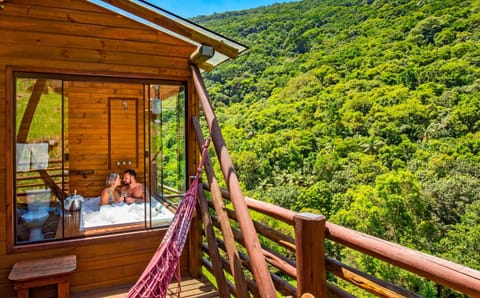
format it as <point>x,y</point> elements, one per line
<point>156,104</point>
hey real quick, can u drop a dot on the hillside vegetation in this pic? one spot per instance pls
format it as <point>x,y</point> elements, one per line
<point>365,111</point>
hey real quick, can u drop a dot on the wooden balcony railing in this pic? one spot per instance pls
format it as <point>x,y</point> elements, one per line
<point>35,179</point>
<point>295,253</point>
<point>287,266</point>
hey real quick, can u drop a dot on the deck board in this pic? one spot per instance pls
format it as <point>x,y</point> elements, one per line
<point>190,287</point>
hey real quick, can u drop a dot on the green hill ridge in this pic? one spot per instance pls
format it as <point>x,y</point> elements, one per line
<point>365,111</point>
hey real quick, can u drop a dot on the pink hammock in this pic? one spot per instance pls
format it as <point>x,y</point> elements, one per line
<point>155,279</point>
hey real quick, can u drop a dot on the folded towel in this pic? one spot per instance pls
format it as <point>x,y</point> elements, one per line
<point>39,156</point>
<point>23,157</point>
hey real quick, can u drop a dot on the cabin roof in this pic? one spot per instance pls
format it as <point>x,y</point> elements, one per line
<point>162,20</point>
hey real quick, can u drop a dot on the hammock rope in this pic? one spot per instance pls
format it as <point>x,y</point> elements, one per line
<point>154,281</point>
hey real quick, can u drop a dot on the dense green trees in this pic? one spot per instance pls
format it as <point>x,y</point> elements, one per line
<point>365,111</point>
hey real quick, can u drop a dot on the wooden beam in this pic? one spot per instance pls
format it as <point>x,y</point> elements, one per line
<point>174,26</point>
<point>367,282</point>
<point>235,265</point>
<point>277,212</point>
<point>281,285</point>
<point>446,273</point>
<point>217,267</point>
<point>207,265</point>
<point>195,241</point>
<point>202,54</point>
<point>252,244</point>
<point>30,110</point>
<point>206,66</point>
<point>56,190</point>
<point>285,264</point>
<point>335,291</point>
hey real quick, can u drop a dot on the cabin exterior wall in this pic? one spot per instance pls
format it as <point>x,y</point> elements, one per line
<point>77,37</point>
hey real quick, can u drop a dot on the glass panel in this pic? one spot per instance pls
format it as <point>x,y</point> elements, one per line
<point>105,139</point>
<point>82,143</point>
<point>38,159</point>
<point>167,145</point>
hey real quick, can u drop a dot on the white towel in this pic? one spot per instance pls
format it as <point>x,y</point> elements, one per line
<point>23,157</point>
<point>39,156</point>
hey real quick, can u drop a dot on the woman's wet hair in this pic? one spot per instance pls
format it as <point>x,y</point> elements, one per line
<point>111,178</point>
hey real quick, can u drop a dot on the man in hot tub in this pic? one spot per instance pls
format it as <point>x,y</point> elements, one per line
<point>131,190</point>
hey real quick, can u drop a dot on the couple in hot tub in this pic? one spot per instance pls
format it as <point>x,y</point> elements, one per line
<point>120,191</point>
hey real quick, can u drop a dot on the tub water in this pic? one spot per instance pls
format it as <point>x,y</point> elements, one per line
<point>109,215</point>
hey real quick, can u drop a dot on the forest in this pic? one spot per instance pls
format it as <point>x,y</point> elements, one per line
<point>365,111</point>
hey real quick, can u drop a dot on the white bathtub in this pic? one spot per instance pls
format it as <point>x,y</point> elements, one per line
<point>92,217</point>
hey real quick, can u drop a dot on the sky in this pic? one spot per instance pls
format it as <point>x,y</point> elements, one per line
<point>192,8</point>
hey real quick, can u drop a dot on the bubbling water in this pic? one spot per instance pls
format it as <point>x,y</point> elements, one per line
<point>125,214</point>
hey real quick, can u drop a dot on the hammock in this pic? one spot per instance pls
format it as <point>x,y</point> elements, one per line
<point>159,272</point>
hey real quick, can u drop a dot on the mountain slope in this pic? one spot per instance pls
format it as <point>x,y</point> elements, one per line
<point>365,111</point>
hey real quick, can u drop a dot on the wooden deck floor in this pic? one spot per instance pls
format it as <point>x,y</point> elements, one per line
<point>190,288</point>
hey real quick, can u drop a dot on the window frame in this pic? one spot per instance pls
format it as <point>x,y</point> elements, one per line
<point>10,141</point>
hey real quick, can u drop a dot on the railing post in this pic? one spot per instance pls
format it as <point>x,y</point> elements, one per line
<point>194,251</point>
<point>310,251</point>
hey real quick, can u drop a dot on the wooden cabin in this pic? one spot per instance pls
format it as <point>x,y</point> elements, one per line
<point>94,87</point>
<point>89,88</point>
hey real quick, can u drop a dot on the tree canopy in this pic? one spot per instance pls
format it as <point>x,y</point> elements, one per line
<point>367,111</point>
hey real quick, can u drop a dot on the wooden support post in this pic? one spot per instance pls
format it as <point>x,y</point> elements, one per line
<point>201,56</point>
<point>194,251</point>
<point>241,289</point>
<point>217,268</point>
<point>252,243</point>
<point>310,244</point>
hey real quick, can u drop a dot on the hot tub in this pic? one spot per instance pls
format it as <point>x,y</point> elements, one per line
<point>108,216</point>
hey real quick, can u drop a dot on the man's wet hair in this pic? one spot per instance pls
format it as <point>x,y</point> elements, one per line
<point>131,172</point>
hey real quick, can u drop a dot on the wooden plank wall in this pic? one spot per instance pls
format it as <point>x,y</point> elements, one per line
<point>74,36</point>
<point>89,132</point>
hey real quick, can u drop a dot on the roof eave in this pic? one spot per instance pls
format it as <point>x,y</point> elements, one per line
<point>155,17</point>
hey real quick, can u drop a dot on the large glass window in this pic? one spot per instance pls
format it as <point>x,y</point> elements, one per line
<point>96,155</point>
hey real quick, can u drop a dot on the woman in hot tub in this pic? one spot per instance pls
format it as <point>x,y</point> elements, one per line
<point>109,195</point>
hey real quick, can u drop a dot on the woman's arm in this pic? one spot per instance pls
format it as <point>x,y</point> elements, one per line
<point>117,197</point>
<point>104,197</point>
